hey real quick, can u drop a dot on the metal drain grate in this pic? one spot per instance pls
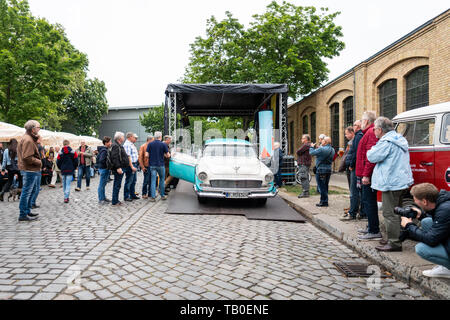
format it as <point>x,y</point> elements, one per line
<point>355,269</point>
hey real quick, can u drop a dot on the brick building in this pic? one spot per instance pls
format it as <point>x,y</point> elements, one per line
<point>412,72</point>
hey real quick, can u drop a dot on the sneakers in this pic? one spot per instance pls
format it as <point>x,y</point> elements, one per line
<point>322,205</point>
<point>437,272</point>
<point>66,200</point>
<point>27,218</point>
<point>32,215</point>
<point>164,198</point>
<point>35,206</point>
<point>128,199</point>
<point>118,204</point>
<point>303,195</point>
<point>87,188</point>
<point>363,231</point>
<point>51,186</point>
<point>152,199</point>
<point>107,200</point>
<point>370,236</point>
<point>77,189</point>
<point>145,196</point>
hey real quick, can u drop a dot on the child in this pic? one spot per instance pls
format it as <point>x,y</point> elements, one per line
<point>67,161</point>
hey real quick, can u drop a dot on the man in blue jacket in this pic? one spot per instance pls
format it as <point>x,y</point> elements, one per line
<point>434,233</point>
<point>392,176</point>
<point>350,163</point>
<point>324,159</point>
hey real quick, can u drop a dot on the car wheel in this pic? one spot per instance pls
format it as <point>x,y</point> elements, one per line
<point>201,199</point>
<point>261,201</point>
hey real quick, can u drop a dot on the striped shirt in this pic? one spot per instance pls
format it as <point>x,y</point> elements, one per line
<point>131,151</point>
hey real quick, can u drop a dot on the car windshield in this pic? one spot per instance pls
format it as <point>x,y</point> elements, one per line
<point>229,150</point>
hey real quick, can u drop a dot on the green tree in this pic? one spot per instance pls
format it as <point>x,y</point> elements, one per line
<point>85,108</point>
<point>153,120</point>
<point>39,67</point>
<point>286,44</point>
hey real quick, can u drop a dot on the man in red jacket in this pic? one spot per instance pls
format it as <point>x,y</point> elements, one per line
<point>364,170</point>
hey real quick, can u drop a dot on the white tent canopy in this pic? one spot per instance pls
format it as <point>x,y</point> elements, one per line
<point>49,138</point>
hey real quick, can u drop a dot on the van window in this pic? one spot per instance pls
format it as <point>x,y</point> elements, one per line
<point>417,133</point>
<point>446,128</point>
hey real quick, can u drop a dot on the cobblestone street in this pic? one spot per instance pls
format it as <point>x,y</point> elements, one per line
<point>82,250</point>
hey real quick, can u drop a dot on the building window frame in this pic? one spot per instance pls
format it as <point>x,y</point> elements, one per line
<point>388,98</point>
<point>312,118</point>
<point>334,125</point>
<point>417,88</point>
<point>305,124</point>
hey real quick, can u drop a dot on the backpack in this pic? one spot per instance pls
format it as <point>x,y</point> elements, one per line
<point>109,164</point>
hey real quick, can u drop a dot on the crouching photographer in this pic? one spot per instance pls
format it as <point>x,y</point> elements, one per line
<point>434,233</point>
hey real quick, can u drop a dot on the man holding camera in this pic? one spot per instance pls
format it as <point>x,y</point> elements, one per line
<point>392,176</point>
<point>434,233</point>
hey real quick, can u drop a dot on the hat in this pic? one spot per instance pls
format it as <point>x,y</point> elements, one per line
<point>135,135</point>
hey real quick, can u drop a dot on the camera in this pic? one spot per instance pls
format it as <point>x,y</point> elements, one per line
<point>407,212</point>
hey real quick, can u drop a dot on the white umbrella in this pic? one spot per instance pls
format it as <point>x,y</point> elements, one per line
<point>6,134</point>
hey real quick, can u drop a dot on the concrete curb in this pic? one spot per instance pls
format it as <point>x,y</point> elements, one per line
<point>412,275</point>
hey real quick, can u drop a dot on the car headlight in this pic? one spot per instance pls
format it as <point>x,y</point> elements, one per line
<point>269,177</point>
<point>202,176</point>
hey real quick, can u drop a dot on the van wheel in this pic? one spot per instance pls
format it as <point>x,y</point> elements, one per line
<point>261,201</point>
<point>201,200</point>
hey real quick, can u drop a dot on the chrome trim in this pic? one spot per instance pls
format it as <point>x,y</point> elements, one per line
<point>249,196</point>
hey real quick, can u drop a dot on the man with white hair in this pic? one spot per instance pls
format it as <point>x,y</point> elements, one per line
<point>129,189</point>
<point>324,158</point>
<point>156,152</point>
<point>118,161</point>
<point>364,170</point>
<point>29,162</point>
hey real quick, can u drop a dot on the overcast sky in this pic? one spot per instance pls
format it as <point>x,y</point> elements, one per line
<point>137,47</point>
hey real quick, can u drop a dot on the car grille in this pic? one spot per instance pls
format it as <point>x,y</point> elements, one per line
<point>236,183</point>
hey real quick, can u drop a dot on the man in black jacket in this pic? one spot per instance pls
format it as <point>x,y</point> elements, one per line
<point>434,234</point>
<point>350,163</point>
<point>118,161</point>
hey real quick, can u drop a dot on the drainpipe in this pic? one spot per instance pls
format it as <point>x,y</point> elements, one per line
<point>354,95</point>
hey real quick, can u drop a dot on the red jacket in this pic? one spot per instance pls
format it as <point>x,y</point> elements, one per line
<point>364,168</point>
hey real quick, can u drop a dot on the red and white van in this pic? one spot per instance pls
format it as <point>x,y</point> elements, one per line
<point>427,130</point>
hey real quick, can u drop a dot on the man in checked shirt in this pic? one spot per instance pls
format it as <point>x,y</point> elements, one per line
<point>130,172</point>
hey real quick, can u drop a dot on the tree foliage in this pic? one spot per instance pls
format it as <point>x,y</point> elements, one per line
<point>286,44</point>
<point>86,106</point>
<point>153,120</point>
<point>39,67</point>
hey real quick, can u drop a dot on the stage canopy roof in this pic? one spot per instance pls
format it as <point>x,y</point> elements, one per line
<point>223,99</point>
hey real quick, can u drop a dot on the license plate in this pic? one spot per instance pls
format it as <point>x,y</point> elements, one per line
<point>236,195</point>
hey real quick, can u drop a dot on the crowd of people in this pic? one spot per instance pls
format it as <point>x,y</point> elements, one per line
<point>377,160</point>
<point>26,165</point>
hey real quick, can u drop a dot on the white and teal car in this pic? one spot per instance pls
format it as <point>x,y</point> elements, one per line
<point>227,168</point>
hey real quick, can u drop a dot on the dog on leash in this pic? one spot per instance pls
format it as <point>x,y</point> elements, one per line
<point>14,193</point>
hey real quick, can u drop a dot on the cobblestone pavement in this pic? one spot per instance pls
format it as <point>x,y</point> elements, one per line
<point>83,250</point>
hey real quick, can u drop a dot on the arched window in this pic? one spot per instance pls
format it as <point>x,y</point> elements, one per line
<point>313,127</point>
<point>417,88</point>
<point>348,115</point>
<point>348,112</point>
<point>334,111</point>
<point>388,99</point>
<point>305,125</point>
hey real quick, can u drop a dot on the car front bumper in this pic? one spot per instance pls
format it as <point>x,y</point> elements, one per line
<point>209,192</point>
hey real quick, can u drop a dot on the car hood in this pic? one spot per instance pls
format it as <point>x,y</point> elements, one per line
<point>232,166</point>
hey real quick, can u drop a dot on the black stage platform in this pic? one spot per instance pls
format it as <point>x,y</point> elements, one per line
<point>183,200</point>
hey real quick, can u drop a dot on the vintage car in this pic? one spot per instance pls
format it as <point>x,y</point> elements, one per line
<point>227,168</point>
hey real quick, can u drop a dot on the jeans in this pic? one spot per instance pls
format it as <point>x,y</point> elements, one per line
<point>86,170</point>
<point>277,179</point>
<point>129,188</point>
<point>116,187</point>
<point>28,186</point>
<point>437,254</point>
<point>161,173</point>
<point>322,182</point>
<point>66,181</point>
<point>370,206</point>
<point>104,175</point>
<point>36,189</point>
<point>354,195</point>
<point>317,182</point>
<point>146,183</point>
